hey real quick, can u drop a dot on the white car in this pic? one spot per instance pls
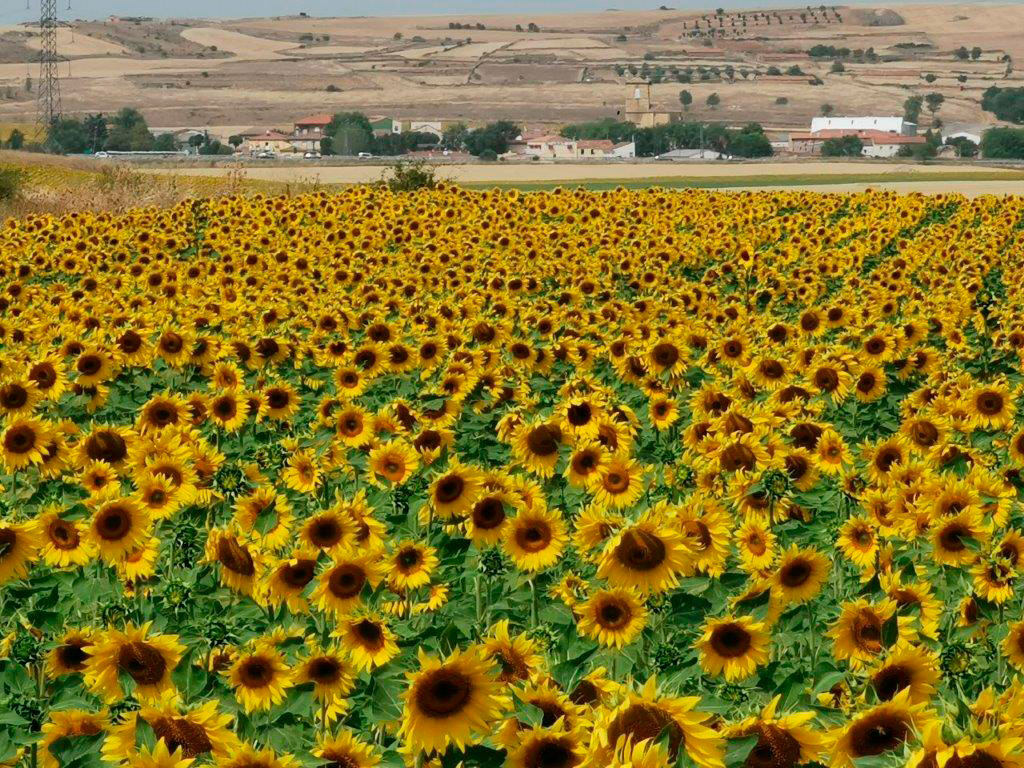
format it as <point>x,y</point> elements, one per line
<point>264,155</point>
<point>102,154</point>
<point>312,155</point>
<point>364,155</point>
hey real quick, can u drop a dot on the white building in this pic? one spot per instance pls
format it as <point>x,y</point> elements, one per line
<point>551,147</point>
<point>626,149</point>
<point>896,125</point>
<point>691,154</point>
<point>970,135</point>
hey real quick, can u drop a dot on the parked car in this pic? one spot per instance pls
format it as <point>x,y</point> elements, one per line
<point>265,155</point>
<point>312,155</point>
<point>364,155</point>
<point>102,154</point>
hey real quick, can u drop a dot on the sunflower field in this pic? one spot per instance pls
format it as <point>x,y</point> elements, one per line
<point>617,479</point>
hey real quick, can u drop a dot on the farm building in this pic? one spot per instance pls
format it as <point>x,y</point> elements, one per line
<point>876,143</point>
<point>639,109</point>
<point>895,125</point>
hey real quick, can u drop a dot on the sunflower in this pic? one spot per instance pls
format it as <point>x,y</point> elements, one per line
<point>906,667</point>
<point>287,581</point>
<point>991,406</point>
<point>158,496</point>
<point>331,675</point>
<point>18,398</point>
<point>706,528</point>
<point>585,464</point>
<point>619,483</point>
<point>858,541</point>
<point>663,412</point>
<point>1013,645</point>
<point>240,567</point>
<point>450,701</point>
<point>396,461</point>
<point>540,747</point>
<point>370,642</point>
<point>119,525</point>
<point>517,656</point>
<point>535,539</point>
<point>455,491</point>
<point>49,376</point>
<point>199,732</point>
<point>992,751</point>
<point>228,410</point>
<point>535,446</point>
<point>411,565</point>
<point>70,654</point>
<point>118,656</point>
<point>951,536</point>
<point>782,742</point>
<point>832,453</point>
<point>613,617</point>
<point>878,730</point>
<point>756,544</point>
<point>649,716</point>
<point>331,531</point>
<point>648,556</point>
<point>23,442</point>
<point>279,402</point>
<point>733,647</point>
<point>800,575</point>
<point>345,749</point>
<point>140,563</point>
<point>593,527</point>
<point>489,517</point>
<point>858,633</point>
<point>162,411</point>
<point>302,473</point>
<point>68,724</point>
<point>20,546</point>
<point>340,586</point>
<point>260,678</point>
<point>266,516</point>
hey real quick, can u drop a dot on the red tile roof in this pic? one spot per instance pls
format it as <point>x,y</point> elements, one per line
<point>595,144</point>
<point>875,137</point>
<point>315,120</point>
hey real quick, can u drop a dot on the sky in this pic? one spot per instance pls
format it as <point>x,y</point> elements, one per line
<point>12,11</point>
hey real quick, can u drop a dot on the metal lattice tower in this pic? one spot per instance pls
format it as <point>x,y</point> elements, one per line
<point>48,102</point>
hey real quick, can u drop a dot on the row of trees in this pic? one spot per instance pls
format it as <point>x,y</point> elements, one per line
<point>748,141</point>
<point>125,131</point>
<point>350,133</point>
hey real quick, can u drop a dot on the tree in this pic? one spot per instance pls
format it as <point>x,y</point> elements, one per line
<point>713,100</point>
<point>912,108</point>
<point>827,109</point>
<point>845,146</point>
<point>962,53</point>
<point>1005,103</point>
<point>16,140</point>
<point>196,140</point>
<point>1003,143</point>
<point>837,67</point>
<point>494,136</point>
<point>95,130</point>
<point>934,101</point>
<point>165,142</point>
<point>686,99</point>
<point>236,141</point>
<point>531,27</point>
<point>454,137</point>
<point>964,146</point>
<point>326,145</point>
<point>930,78</point>
<point>67,136</point>
<point>750,142</point>
<point>975,53</point>
<point>961,78</point>
<point>351,132</point>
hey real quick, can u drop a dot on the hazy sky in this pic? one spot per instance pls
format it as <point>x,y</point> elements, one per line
<point>12,11</point>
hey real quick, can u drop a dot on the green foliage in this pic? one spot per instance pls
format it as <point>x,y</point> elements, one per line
<point>1005,103</point>
<point>964,146</point>
<point>494,137</point>
<point>843,146</point>
<point>11,182</point>
<point>411,175</point>
<point>1003,143</point>
<point>912,108</point>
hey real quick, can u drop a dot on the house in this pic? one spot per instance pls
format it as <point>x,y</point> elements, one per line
<point>382,126</point>
<point>551,147</point>
<point>436,127</point>
<point>312,127</point>
<point>876,143</point>
<point>626,149</point>
<point>268,141</point>
<point>895,125</point>
<point>594,148</point>
<point>639,108</point>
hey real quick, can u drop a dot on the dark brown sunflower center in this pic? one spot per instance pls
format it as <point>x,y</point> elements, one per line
<point>178,732</point>
<point>877,733</point>
<point>106,446</point>
<point>738,456</point>
<point>235,557</point>
<point>646,721</point>
<point>325,532</point>
<point>13,396</point>
<point>370,634</point>
<point>256,672</point>
<point>346,581</point>
<point>772,369</point>
<point>867,631</point>
<point>640,550</point>
<point>144,663</point>
<point>171,343</point>
<point>72,656</point>
<point>89,365</point>
<point>925,434</point>
<point>278,399</point>
<point>613,614</point>
<point>826,379</point>
<point>324,670</point>
<point>579,414</point>
<point>550,753</point>
<point>585,693</point>
<point>409,558</point>
<point>113,523</point>
<point>890,680</point>
<point>534,536</point>
<point>952,536</point>
<point>129,342</point>
<point>665,354</point>
<point>443,693</point>
<point>543,440</point>
<point>488,513</point>
<point>977,759</point>
<point>298,574</point>
<point>795,573</point>
<point>225,408</point>
<point>63,535</point>
<point>20,439</point>
<point>990,403</point>
<point>450,488</point>
<point>775,748</point>
<point>730,640</point>
<point>44,375</point>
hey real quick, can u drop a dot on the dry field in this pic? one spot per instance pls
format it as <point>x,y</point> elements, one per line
<point>266,72</point>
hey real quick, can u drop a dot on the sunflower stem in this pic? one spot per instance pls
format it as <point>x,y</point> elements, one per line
<point>533,604</point>
<point>812,640</point>
<point>479,603</point>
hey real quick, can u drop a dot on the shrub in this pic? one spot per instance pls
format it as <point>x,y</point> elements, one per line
<point>1003,143</point>
<point>846,146</point>
<point>488,155</point>
<point>406,176</point>
<point>11,182</point>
